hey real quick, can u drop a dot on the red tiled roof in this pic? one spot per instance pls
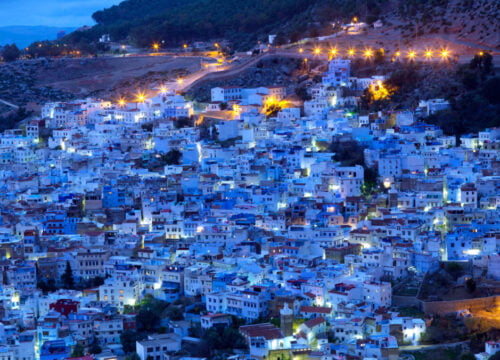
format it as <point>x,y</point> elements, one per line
<point>316,309</point>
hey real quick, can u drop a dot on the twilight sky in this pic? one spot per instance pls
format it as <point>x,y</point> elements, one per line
<point>60,13</point>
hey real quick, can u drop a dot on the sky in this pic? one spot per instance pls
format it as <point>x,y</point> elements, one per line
<point>59,13</point>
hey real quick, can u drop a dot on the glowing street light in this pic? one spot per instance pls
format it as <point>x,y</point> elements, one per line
<point>428,54</point>
<point>163,90</point>
<point>481,53</point>
<point>411,55</point>
<point>317,51</point>
<point>351,52</point>
<point>156,46</point>
<point>185,46</point>
<point>121,102</point>
<point>368,53</point>
<point>301,50</point>
<point>445,53</point>
<point>334,52</point>
<point>180,81</point>
<point>216,45</point>
<point>140,98</point>
<point>397,53</point>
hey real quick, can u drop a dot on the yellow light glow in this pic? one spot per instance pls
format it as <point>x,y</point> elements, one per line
<point>355,19</point>
<point>333,52</point>
<point>121,102</point>
<point>216,45</point>
<point>445,53</point>
<point>411,54</point>
<point>317,51</point>
<point>180,81</point>
<point>163,90</point>
<point>428,54</point>
<point>301,50</point>
<point>351,52</point>
<point>185,46</point>
<point>481,53</point>
<point>156,46</point>
<point>397,53</point>
<point>368,53</point>
<point>140,97</point>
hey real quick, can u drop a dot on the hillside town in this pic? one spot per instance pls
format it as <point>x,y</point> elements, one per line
<point>293,229</point>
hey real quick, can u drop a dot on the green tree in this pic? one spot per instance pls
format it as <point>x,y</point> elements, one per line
<point>173,157</point>
<point>470,285</point>
<point>174,313</point>
<point>133,356</point>
<point>482,62</point>
<point>77,351</point>
<point>128,339</point>
<point>95,349</point>
<point>67,277</point>
<point>10,52</point>
<point>467,356</point>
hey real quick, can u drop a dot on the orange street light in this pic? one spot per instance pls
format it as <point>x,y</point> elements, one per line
<point>140,98</point>
<point>317,51</point>
<point>121,102</point>
<point>481,53</point>
<point>368,53</point>
<point>445,53</point>
<point>180,81</point>
<point>216,45</point>
<point>301,50</point>
<point>333,52</point>
<point>351,52</point>
<point>156,46</point>
<point>163,90</point>
<point>428,54</point>
<point>397,53</point>
<point>411,55</point>
<point>185,46</point>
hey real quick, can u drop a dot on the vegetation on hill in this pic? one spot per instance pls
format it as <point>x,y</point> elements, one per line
<point>243,22</point>
<point>175,21</point>
<point>472,89</point>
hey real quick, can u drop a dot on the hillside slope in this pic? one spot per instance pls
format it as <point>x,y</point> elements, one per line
<point>244,22</point>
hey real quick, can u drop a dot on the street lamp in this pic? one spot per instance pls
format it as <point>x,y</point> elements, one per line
<point>140,98</point>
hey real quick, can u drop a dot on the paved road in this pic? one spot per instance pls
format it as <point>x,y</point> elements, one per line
<point>431,347</point>
<point>9,104</point>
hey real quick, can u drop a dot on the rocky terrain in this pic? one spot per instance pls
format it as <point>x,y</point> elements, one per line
<point>277,71</point>
<point>28,83</point>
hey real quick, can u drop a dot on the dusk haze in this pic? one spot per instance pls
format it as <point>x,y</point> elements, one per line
<point>250,180</point>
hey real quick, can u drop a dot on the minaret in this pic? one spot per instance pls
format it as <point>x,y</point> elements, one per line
<point>393,199</point>
<point>286,320</point>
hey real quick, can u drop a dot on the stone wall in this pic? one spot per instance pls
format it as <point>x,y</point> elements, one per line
<point>447,307</point>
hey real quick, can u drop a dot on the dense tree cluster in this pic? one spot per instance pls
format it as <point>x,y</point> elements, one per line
<point>477,105</point>
<point>10,52</point>
<point>243,22</point>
